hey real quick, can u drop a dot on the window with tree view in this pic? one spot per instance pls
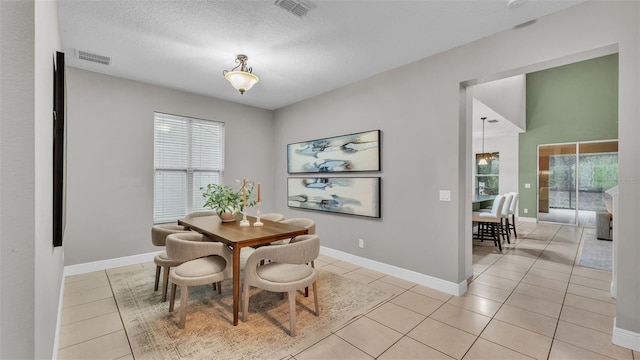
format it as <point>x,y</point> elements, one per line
<point>487,176</point>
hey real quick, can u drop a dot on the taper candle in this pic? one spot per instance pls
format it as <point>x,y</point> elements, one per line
<point>258,192</point>
<point>244,193</point>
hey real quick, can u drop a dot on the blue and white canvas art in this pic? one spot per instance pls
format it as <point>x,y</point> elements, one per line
<point>347,153</point>
<point>345,195</point>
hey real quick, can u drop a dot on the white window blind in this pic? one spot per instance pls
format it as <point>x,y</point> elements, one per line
<point>188,155</point>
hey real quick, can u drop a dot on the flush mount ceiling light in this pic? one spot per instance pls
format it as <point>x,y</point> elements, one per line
<point>242,79</point>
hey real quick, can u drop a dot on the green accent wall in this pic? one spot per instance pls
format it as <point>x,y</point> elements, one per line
<point>570,103</point>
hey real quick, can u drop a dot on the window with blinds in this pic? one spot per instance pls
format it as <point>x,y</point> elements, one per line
<point>188,155</point>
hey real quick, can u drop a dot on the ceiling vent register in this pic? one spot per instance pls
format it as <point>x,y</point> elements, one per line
<point>298,8</point>
<point>100,59</point>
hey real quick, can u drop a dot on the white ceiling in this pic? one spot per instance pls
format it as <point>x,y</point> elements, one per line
<point>187,44</point>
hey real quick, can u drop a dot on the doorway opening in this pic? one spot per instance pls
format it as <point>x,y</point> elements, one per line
<point>572,180</point>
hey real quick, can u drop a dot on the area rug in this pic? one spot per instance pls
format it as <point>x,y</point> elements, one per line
<point>597,254</point>
<point>209,332</point>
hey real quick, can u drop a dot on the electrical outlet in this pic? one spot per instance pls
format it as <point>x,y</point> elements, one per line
<point>361,243</point>
<point>526,211</point>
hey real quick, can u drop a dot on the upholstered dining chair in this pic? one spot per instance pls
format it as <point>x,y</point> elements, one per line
<point>489,222</point>
<point>504,217</point>
<point>201,213</point>
<point>159,235</point>
<point>513,209</point>
<point>203,262</point>
<point>300,222</point>
<point>272,216</point>
<point>303,223</point>
<point>288,271</point>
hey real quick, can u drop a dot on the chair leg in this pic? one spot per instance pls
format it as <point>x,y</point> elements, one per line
<point>219,287</point>
<point>513,224</point>
<point>184,299</point>
<point>315,297</point>
<point>496,236</point>
<point>506,221</point>
<point>504,230</point>
<point>173,297</point>
<point>165,282</point>
<point>245,302</point>
<point>292,313</point>
<point>155,288</point>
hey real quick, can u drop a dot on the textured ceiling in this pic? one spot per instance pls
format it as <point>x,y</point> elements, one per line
<point>187,44</point>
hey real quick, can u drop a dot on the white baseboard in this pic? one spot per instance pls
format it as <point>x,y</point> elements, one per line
<point>108,264</point>
<point>425,280</point>
<point>527,219</point>
<point>625,338</point>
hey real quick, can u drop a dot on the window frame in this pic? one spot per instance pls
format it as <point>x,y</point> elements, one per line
<point>491,158</point>
<point>188,168</point>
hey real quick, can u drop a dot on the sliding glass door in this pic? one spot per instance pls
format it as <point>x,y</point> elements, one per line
<point>572,179</point>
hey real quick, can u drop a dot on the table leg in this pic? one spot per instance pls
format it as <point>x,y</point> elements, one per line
<point>236,283</point>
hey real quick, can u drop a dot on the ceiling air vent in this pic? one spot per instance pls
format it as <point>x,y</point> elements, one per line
<point>492,121</point>
<point>296,7</point>
<point>100,59</point>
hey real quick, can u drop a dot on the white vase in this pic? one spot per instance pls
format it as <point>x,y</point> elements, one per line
<point>227,217</point>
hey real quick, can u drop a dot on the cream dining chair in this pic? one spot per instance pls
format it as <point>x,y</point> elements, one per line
<point>288,271</point>
<point>203,262</point>
<point>159,235</point>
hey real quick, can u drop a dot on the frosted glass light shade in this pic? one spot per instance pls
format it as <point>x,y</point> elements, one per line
<point>241,80</point>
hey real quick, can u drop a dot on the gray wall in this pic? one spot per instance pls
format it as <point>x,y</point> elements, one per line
<point>110,161</point>
<point>30,268</point>
<point>426,139</point>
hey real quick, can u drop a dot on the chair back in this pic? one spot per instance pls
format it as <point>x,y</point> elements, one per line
<point>514,203</point>
<point>272,216</point>
<point>303,223</point>
<point>201,213</point>
<point>498,203</point>
<point>507,204</point>
<point>301,251</point>
<point>160,232</point>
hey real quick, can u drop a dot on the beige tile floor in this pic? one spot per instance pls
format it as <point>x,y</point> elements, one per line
<point>530,302</point>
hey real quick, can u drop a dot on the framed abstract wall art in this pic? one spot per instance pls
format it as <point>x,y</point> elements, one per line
<point>346,153</point>
<point>345,195</point>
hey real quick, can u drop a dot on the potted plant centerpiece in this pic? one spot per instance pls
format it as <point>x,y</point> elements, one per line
<point>226,201</point>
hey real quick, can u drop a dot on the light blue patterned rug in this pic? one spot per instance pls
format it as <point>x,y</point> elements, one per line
<point>597,254</point>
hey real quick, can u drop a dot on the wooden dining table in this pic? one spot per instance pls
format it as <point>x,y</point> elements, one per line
<point>237,237</point>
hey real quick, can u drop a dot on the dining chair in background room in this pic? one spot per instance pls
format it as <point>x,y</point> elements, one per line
<point>489,222</point>
<point>203,262</point>
<point>504,217</point>
<point>159,235</point>
<point>272,216</point>
<point>513,209</point>
<point>288,271</point>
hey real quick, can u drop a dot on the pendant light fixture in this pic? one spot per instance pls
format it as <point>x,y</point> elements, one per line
<point>242,79</point>
<point>483,161</point>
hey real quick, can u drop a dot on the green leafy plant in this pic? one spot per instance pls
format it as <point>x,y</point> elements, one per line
<point>224,199</point>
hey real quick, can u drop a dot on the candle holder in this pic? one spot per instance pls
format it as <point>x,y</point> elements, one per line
<point>258,222</point>
<point>244,221</point>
